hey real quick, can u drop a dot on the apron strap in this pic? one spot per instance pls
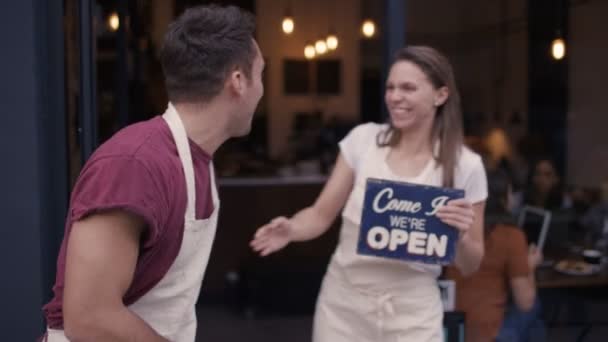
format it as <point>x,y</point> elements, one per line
<point>214,194</point>
<point>183,149</point>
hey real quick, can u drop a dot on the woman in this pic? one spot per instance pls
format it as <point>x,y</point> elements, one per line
<point>595,221</point>
<point>545,189</point>
<point>507,270</point>
<point>365,298</point>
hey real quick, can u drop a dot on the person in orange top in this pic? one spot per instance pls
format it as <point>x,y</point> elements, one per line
<point>506,274</point>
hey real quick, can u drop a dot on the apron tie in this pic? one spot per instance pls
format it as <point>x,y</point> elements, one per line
<point>384,309</point>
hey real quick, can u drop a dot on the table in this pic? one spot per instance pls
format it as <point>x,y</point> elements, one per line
<point>549,278</point>
<point>562,290</point>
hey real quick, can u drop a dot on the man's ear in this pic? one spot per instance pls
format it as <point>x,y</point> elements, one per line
<point>236,82</point>
<point>441,96</point>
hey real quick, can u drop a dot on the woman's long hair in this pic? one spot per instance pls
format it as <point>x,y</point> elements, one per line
<point>497,204</point>
<point>551,200</point>
<point>447,125</point>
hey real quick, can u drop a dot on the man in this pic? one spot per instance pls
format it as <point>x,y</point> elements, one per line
<point>143,213</point>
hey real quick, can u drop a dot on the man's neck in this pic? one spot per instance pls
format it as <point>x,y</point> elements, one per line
<point>205,124</point>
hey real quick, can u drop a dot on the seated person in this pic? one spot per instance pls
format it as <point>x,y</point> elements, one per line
<point>595,220</point>
<point>545,189</point>
<point>500,155</point>
<point>506,271</point>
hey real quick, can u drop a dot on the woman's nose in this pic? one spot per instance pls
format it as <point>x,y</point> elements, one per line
<point>393,96</point>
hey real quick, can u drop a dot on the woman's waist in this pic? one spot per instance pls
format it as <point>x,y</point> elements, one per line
<point>382,275</point>
<point>387,297</point>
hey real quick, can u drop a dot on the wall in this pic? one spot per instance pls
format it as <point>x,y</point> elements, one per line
<point>20,175</point>
<point>162,15</point>
<point>33,177</point>
<point>588,113</point>
<point>311,18</point>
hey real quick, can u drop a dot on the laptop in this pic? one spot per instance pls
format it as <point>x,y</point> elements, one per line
<point>535,223</point>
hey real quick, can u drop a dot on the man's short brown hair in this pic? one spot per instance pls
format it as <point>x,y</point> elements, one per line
<point>202,47</point>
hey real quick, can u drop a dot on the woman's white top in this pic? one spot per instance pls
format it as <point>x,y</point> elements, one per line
<point>367,159</point>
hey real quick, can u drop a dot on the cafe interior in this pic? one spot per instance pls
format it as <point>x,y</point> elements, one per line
<point>530,74</point>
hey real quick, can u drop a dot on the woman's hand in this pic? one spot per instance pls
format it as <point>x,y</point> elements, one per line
<point>459,214</point>
<point>273,236</point>
<point>535,257</point>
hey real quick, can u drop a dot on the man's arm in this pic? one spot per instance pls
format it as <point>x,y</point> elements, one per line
<point>102,252</point>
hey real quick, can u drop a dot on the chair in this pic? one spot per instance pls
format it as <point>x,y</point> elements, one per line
<point>535,223</point>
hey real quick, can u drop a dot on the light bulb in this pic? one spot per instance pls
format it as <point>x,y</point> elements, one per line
<point>558,48</point>
<point>113,21</point>
<point>332,42</point>
<point>309,51</point>
<point>320,47</point>
<point>288,25</point>
<point>368,28</point>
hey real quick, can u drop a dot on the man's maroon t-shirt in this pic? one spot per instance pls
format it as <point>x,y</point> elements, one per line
<point>138,170</point>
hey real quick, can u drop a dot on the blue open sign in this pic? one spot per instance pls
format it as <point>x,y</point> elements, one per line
<point>399,222</point>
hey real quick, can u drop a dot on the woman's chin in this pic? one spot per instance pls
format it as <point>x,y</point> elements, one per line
<point>402,124</point>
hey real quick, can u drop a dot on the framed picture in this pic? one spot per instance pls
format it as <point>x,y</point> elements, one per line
<point>296,77</point>
<point>329,76</point>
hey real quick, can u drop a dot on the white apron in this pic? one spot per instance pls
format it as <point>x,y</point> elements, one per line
<point>365,298</point>
<point>169,307</point>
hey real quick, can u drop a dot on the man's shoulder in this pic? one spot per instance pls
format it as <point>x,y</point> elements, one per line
<point>146,141</point>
